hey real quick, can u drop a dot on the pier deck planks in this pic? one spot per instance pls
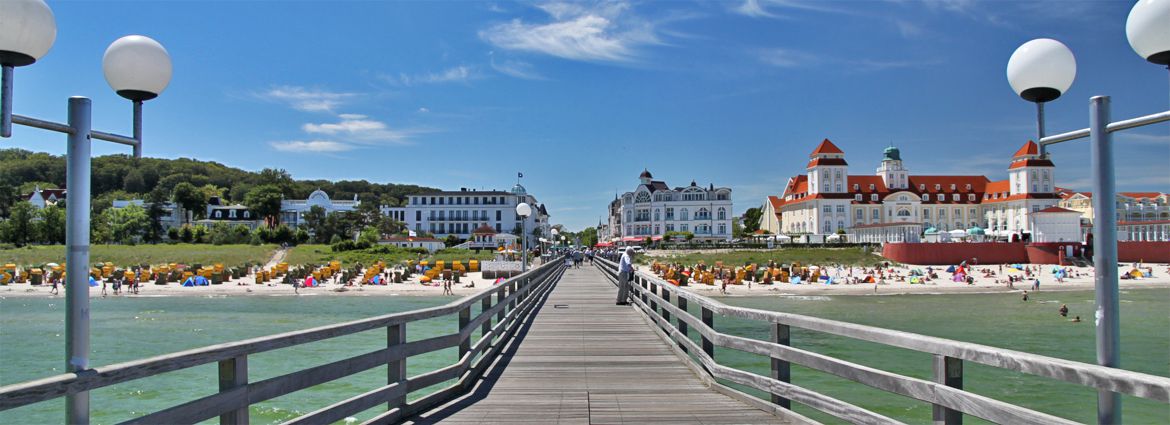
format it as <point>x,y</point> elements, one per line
<point>592,362</point>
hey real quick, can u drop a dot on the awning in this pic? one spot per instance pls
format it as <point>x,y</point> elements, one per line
<point>603,245</point>
<point>632,239</point>
<point>656,238</point>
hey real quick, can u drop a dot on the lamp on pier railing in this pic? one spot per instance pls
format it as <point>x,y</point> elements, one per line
<point>1040,71</point>
<point>524,210</point>
<point>137,68</point>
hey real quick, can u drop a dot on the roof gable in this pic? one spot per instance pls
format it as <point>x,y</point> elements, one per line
<point>826,147</point>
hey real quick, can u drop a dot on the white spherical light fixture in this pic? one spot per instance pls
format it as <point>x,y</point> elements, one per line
<point>137,67</point>
<point>1148,30</point>
<point>523,209</point>
<point>27,31</point>
<point>1041,70</point>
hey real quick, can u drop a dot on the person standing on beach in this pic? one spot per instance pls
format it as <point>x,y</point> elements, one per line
<point>625,273</point>
<point>1036,283</point>
<point>103,288</point>
<point>54,290</point>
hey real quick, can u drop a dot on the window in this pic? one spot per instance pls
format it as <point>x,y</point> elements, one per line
<point>971,197</point>
<point>958,212</point>
<point>942,213</point>
<point>859,214</point>
<point>231,213</point>
<point>1035,208</point>
<point>840,208</point>
<point>669,214</point>
<point>838,187</point>
<point>925,196</point>
<point>968,186</point>
<point>685,227</point>
<point>926,214</point>
<point>903,212</point>
<point>857,186</point>
<point>246,214</point>
<point>873,197</point>
<point>418,216</point>
<point>840,225</point>
<point>952,187</point>
<point>938,187</point>
<point>657,215</point>
<point>857,197</point>
<point>922,188</point>
<point>722,214</point>
<point>827,208</point>
<point>218,213</point>
<point>871,187</point>
<point>683,215</point>
<point>876,214</point>
<point>955,197</point>
<point>828,227</point>
<point>722,229</point>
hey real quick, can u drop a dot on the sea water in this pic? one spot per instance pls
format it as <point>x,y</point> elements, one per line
<point>32,345</point>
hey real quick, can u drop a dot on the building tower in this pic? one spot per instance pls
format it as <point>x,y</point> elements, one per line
<point>827,170</point>
<point>645,177</point>
<point>1029,173</point>
<point>891,170</point>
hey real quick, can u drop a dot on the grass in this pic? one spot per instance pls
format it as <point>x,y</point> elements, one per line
<point>127,255</point>
<point>320,254</point>
<point>821,256</point>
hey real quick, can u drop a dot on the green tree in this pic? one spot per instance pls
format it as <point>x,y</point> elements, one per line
<point>451,241</point>
<point>154,214</point>
<point>51,226</point>
<point>370,235</point>
<point>133,182</point>
<point>314,221</point>
<point>189,197</point>
<point>126,225</point>
<point>18,229</point>
<point>265,201</point>
<point>751,219</point>
<point>588,236</point>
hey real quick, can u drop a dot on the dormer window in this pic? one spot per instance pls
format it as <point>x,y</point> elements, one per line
<point>952,187</point>
<point>925,196</point>
<point>968,186</point>
<point>955,197</point>
<point>971,197</point>
<point>857,197</point>
<point>937,187</point>
<point>871,187</point>
<point>857,186</point>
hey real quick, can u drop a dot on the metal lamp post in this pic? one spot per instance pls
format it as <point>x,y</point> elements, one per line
<point>524,210</point>
<point>137,68</point>
<point>1040,69</point>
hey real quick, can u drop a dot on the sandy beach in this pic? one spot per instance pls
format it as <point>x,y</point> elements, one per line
<point>943,285</point>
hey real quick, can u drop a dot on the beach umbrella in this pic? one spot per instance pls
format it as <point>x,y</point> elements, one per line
<point>951,269</point>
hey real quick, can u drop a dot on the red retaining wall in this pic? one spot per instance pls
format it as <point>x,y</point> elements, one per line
<point>1150,252</point>
<point>954,253</point>
<point>1004,253</point>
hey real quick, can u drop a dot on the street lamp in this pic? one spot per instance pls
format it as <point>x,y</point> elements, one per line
<point>524,210</point>
<point>137,68</point>
<point>1042,66</point>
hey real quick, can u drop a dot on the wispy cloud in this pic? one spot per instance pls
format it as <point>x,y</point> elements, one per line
<point>753,9</point>
<point>318,146</point>
<point>458,74</point>
<point>515,68</point>
<point>305,99</point>
<point>608,32</point>
<point>789,58</point>
<point>767,8</point>
<point>360,129</point>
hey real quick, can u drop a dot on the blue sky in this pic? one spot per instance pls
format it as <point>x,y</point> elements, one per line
<point>581,97</point>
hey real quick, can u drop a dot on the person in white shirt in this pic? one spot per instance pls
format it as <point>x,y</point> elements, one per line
<point>625,273</point>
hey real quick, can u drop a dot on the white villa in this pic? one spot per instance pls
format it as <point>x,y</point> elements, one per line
<point>653,209</point>
<point>292,212</point>
<point>461,212</point>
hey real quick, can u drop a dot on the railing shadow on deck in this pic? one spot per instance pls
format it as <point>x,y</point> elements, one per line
<point>515,300</point>
<point>661,302</point>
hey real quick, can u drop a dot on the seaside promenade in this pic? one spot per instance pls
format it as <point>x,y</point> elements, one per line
<point>585,360</point>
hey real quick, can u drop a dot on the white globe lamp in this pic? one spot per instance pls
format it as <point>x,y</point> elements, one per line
<point>137,67</point>
<point>27,31</point>
<point>1041,70</point>
<point>1148,30</point>
<point>523,209</point>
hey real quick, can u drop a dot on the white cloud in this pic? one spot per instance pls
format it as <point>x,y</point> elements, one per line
<point>764,8</point>
<point>752,8</point>
<point>308,100</point>
<point>358,128</point>
<point>311,146</point>
<point>786,58</point>
<point>424,109</point>
<point>518,69</point>
<point>458,74</point>
<point>608,32</point>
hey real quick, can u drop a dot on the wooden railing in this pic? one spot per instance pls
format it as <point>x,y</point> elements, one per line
<point>662,302</point>
<point>514,300</point>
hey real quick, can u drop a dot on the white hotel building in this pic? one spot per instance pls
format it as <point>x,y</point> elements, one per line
<point>653,209</point>
<point>893,205</point>
<point>460,213</point>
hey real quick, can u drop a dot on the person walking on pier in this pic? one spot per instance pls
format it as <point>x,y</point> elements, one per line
<point>625,273</point>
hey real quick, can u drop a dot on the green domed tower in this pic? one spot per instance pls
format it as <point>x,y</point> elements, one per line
<point>891,171</point>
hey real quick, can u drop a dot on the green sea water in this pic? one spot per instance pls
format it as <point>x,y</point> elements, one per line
<point>32,345</point>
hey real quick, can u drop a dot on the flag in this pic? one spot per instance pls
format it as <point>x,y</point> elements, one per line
<point>412,233</point>
<point>519,175</point>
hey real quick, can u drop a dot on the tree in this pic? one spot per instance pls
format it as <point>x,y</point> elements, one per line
<point>314,220</point>
<point>154,215</point>
<point>737,228</point>
<point>264,200</point>
<point>451,241</point>
<point>126,225</point>
<point>18,229</point>
<point>588,236</point>
<point>133,182</point>
<point>51,226</point>
<point>370,235</point>
<point>751,219</point>
<point>189,197</point>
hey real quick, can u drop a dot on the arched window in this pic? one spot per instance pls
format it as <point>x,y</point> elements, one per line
<point>903,212</point>
<point>628,215</point>
<point>828,227</point>
<point>657,214</point>
<point>840,225</point>
<point>722,215</point>
<point>838,186</point>
<point>703,214</point>
<point>683,214</point>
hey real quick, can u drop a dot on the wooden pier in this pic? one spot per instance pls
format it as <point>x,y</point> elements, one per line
<point>585,360</point>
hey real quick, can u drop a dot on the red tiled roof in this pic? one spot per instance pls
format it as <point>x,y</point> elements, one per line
<point>484,230</point>
<point>826,147</point>
<point>1056,210</point>
<point>1017,197</point>
<point>1030,148</point>
<point>1141,195</point>
<point>776,202</point>
<point>1021,163</point>
<point>826,161</point>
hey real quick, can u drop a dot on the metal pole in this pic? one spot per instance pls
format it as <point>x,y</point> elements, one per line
<point>6,106</point>
<point>138,128</point>
<point>1105,253</point>
<point>1040,129</point>
<point>77,255</point>
<point>524,243</point>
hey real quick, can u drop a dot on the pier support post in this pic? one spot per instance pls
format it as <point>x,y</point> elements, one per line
<point>233,373</point>
<point>464,319</point>
<point>484,306</point>
<point>682,326</point>
<point>500,295</point>
<point>709,320</point>
<point>948,371</point>
<point>396,372</point>
<point>781,369</point>
<point>666,301</point>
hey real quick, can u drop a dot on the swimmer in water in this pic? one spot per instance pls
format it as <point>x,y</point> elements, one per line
<point>1075,319</point>
<point>1025,298</point>
<point>1063,310</point>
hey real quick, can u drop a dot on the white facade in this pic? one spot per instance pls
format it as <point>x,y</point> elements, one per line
<point>828,200</point>
<point>653,209</point>
<point>461,213</point>
<point>292,212</point>
<point>1056,225</point>
<point>431,244</point>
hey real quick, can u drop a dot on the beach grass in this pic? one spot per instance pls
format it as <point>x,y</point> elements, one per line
<point>807,256</point>
<point>128,255</point>
<point>321,254</point>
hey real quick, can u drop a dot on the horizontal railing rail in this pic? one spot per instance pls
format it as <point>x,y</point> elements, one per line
<point>662,301</point>
<point>515,299</point>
